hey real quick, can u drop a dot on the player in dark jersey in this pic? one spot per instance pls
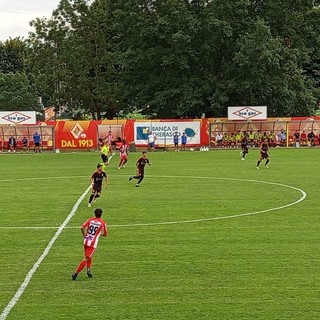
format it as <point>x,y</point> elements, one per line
<point>141,163</point>
<point>96,181</point>
<point>244,147</point>
<point>264,153</point>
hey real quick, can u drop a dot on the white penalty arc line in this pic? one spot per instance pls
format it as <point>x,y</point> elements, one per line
<point>303,196</point>
<point>31,272</point>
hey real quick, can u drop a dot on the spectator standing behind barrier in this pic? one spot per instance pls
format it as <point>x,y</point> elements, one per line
<point>183,141</point>
<point>25,144</point>
<point>176,141</point>
<point>12,144</point>
<point>37,142</point>
<point>0,144</point>
<point>151,141</point>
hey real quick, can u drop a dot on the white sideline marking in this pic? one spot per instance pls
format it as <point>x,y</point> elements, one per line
<point>31,272</point>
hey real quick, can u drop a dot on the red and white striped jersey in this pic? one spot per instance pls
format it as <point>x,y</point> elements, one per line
<point>95,227</point>
<point>123,150</point>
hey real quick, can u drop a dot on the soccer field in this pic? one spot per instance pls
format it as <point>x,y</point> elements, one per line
<point>206,236</point>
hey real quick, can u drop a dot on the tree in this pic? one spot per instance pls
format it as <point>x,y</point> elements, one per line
<point>12,53</point>
<point>73,55</point>
<point>16,94</point>
<point>173,58</point>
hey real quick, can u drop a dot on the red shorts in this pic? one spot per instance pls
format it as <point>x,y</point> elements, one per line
<point>124,157</point>
<point>89,251</point>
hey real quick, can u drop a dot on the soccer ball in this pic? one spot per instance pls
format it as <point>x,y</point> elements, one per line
<point>191,149</point>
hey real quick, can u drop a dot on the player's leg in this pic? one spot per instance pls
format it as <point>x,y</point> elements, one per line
<point>259,161</point>
<point>89,253</point>
<point>136,176</point>
<point>92,196</point>
<point>97,194</point>
<point>140,179</point>
<point>266,164</point>
<point>80,266</point>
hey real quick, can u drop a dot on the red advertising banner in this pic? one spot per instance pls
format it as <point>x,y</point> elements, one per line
<point>76,134</point>
<point>84,134</point>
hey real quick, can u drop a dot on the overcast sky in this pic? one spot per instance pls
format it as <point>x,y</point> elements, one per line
<point>16,14</point>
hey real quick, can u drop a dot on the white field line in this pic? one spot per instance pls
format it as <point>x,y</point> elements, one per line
<point>31,272</point>
<point>302,197</point>
<point>41,178</point>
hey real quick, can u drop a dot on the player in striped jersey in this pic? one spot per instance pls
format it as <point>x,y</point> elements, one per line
<point>91,230</point>
<point>123,152</point>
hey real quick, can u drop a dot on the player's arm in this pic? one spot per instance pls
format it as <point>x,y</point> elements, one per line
<point>83,231</point>
<point>84,227</point>
<point>104,232</point>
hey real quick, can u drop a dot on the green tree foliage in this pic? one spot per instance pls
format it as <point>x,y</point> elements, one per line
<point>185,58</point>
<point>174,58</point>
<point>16,93</point>
<point>72,54</point>
<point>12,55</point>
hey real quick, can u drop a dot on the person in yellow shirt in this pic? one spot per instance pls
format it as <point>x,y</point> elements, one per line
<point>226,140</point>
<point>239,137</point>
<point>251,139</point>
<point>105,152</point>
<point>272,139</point>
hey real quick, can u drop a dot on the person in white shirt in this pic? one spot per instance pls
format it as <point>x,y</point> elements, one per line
<point>151,141</point>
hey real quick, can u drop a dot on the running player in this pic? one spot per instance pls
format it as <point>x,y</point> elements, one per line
<point>141,163</point>
<point>91,230</point>
<point>264,153</point>
<point>96,181</point>
<point>123,152</point>
<point>244,147</point>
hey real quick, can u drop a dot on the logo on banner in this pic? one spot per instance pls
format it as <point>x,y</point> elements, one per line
<point>247,113</point>
<point>77,131</point>
<point>16,117</point>
<point>142,133</point>
<point>189,132</point>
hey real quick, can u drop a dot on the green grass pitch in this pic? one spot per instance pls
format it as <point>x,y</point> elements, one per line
<point>206,236</point>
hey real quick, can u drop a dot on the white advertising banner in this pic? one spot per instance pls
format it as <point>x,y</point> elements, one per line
<point>164,131</point>
<point>247,113</point>
<point>18,117</point>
